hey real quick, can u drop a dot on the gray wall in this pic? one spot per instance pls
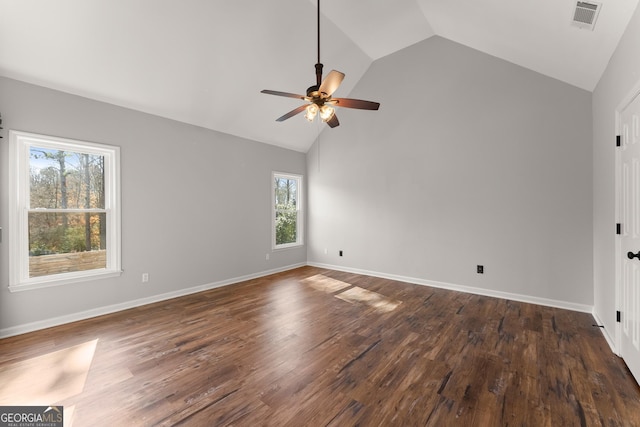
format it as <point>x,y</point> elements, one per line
<point>470,160</point>
<point>195,204</point>
<point>618,81</point>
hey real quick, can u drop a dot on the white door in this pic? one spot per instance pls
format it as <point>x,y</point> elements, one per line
<point>630,237</point>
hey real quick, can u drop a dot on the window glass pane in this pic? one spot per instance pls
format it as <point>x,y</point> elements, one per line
<point>286,227</point>
<point>286,193</point>
<point>65,179</point>
<point>287,204</point>
<point>65,242</point>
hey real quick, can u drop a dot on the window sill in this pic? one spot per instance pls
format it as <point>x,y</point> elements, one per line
<point>62,279</point>
<point>288,246</point>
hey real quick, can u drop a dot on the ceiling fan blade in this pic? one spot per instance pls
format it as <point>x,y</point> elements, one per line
<point>292,113</point>
<point>331,82</point>
<point>333,122</point>
<point>355,103</point>
<point>278,93</point>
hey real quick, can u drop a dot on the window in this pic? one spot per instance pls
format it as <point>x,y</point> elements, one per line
<point>64,211</point>
<point>287,210</point>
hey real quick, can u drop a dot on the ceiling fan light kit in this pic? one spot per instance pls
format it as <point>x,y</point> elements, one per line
<point>312,110</point>
<point>320,96</point>
<point>326,113</point>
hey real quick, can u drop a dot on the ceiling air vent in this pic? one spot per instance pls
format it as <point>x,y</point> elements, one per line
<point>586,14</point>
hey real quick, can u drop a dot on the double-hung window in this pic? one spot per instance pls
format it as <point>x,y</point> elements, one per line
<point>287,210</point>
<point>64,211</point>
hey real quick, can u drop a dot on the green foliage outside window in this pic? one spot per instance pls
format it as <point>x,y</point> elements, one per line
<point>64,188</point>
<point>286,196</point>
<point>286,227</point>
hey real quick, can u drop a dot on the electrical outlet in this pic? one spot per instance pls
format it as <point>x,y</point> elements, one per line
<point>480,269</point>
<point>325,251</point>
<point>145,277</point>
<point>267,257</point>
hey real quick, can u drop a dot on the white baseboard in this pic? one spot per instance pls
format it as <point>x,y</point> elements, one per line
<point>610,340</point>
<point>56,321</point>
<point>468,289</point>
<point>43,324</point>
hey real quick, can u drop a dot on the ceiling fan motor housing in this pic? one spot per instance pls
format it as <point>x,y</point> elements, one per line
<point>315,95</point>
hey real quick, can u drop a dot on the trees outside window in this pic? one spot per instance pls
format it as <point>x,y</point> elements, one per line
<point>65,211</point>
<point>287,217</point>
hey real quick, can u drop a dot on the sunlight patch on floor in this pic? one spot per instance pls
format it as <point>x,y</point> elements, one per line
<point>323,283</point>
<point>370,298</point>
<point>47,379</point>
<point>355,294</point>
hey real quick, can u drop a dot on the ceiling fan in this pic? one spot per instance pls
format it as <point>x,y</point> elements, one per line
<point>320,96</point>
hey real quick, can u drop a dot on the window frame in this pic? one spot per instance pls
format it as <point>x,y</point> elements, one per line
<point>19,206</point>
<point>299,210</point>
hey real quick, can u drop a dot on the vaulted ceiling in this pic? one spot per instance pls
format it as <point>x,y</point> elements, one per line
<point>204,62</point>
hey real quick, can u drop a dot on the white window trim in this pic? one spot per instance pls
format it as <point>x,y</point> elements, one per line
<point>19,143</point>
<point>299,208</point>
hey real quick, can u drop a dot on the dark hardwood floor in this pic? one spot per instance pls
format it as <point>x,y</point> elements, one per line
<point>314,347</point>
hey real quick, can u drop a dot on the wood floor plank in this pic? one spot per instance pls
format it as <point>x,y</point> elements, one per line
<point>316,347</point>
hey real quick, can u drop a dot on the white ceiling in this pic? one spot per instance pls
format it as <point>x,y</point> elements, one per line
<point>204,62</point>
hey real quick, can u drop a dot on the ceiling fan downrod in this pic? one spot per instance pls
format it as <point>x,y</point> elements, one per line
<point>318,63</point>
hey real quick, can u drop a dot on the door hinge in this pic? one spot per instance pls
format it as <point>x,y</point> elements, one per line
<point>618,142</point>
<point>618,315</point>
<point>618,228</point>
